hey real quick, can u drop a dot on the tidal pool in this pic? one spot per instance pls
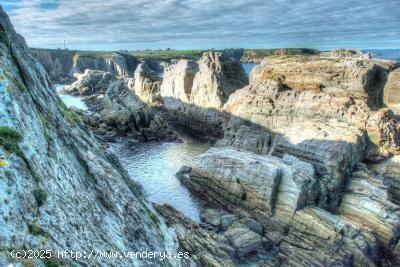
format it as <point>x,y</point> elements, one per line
<point>70,100</point>
<point>154,165</point>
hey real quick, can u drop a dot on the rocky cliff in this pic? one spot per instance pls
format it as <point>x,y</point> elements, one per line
<point>194,92</point>
<point>115,109</point>
<point>59,188</point>
<point>62,64</point>
<point>293,158</point>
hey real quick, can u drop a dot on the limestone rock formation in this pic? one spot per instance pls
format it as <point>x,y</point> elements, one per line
<point>291,155</point>
<point>61,65</point>
<point>123,113</point>
<point>59,189</point>
<point>346,53</point>
<point>177,83</point>
<point>194,92</point>
<point>392,91</point>
<point>359,77</point>
<point>122,65</point>
<point>58,63</point>
<point>219,76</point>
<point>90,82</point>
<point>146,84</point>
<point>205,247</point>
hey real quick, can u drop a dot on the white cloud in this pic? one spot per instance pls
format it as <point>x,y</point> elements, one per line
<point>138,24</point>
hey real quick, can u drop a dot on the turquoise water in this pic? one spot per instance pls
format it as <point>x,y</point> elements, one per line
<point>248,67</point>
<point>70,100</point>
<point>155,164</point>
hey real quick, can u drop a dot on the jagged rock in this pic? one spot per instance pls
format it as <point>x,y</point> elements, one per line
<point>61,65</point>
<point>318,238</point>
<point>367,205</point>
<point>91,203</point>
<point>205,247</point>
<point>389,169</point>
<point>194,92</point>
<point>122,110</point>
<point>219,76</point>
<point>362,78</point>
<point>90,82</point>
<point>265,186</point>
<point>211,216</point>
<point>227,220</point>
<point>58,63</point>
<point>346,53</point>
<point>336,129</point>
<point>177,83</point>
<point>286,149</point>
<point>253,225</point>
<point>244,240</point>
<point>392,91</point>
<point>146,85</point>
<point>122,65</point>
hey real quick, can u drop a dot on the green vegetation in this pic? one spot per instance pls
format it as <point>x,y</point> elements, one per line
<point>261,53</point>
<point>40,196</point>
<point>51,262</point>
<point>169,54</point>
<point>9,139</point>
<point>71,116</point>
<point>35,229</point>
<point>21,86</point>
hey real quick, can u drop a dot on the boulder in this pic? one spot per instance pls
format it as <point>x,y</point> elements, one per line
<point>211,216</point>
<point>244,240</point>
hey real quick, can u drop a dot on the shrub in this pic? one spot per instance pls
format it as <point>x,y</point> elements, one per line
<point>40,196</point>
<point>9,139</point>
<point>35,229</point>
<point>51,262</point>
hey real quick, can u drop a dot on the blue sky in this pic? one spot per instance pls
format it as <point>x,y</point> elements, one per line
<point>200,24</point>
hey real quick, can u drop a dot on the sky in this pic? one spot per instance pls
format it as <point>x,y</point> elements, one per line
<point>203,24</point>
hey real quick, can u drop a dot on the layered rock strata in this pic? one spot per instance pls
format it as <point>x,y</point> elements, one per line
<point>115,110</point>
<point>61,65</point>
<point>194,92</point>
<point>59,189</point>
<point>291,155</point>
<point>146,85</point>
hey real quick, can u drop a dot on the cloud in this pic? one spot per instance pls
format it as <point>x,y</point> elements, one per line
<point>139,24</point>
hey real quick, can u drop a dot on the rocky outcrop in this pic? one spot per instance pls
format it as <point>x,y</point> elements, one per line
<point>391,94</point>
<point>90,82</point>
<point>194,92</point>
<point>121,112</point>
<point>205,247</point>
<point>146,85</point>
<point>177,85</point>
<point>346,53</point>
<point>57,62</point>
<point>123,65</point>
<point>61,65</point>
<point>219,76</point>
<point>290,159</point>
<point>362,78</point>
<point>59,189</point>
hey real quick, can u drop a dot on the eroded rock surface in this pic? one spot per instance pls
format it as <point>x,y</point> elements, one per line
<point>146,85</point>
<point>59,189</point>
<point>90,82</point>
<point>194,92</point>
<point>291,155</point>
